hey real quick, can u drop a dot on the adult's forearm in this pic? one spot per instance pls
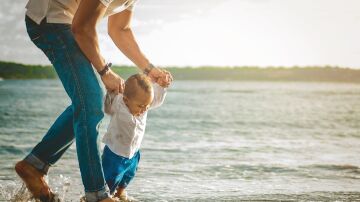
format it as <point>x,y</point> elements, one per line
<point>88,42</point>
<point>124,39</point>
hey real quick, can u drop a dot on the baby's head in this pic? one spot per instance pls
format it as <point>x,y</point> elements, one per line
<point>138,94</point>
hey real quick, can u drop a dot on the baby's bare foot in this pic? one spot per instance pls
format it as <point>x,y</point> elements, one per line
<point>110,200</point>
<point>34,181</point>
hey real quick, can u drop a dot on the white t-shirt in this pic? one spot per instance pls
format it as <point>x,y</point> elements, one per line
<point>125,131</point>
<point>63,11</point>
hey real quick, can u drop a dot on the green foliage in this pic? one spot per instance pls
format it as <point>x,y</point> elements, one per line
<point>9,70</point>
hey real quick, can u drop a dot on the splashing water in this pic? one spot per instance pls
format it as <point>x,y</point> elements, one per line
<point>16,191</point>
<point>62,187</point>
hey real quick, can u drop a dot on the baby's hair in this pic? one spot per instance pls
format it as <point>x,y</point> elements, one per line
<point>136,82</point>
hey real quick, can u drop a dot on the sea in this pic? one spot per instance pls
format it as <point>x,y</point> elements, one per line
<point>209,141</point>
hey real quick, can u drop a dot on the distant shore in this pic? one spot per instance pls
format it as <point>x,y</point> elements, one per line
<point>10,70</point>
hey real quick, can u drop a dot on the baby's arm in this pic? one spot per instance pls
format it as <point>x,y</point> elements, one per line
<point>159,96</point>
<point>109,106</point>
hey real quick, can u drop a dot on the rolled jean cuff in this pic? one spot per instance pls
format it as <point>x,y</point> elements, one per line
<point>96,196</point>
<point>37,163</point>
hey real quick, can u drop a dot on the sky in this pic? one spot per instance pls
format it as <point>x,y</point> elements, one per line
<point>218,33</point>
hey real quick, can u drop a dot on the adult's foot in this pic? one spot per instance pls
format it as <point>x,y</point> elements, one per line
<point>34,181</point>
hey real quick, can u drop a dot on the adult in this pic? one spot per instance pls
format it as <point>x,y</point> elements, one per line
<point>65,30</point>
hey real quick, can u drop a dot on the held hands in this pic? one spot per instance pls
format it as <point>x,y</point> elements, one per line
<point>165,80</point>
<point>161,77</point>
<point>113,82</point>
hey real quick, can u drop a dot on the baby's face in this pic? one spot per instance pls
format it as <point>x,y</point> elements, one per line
<point>140,103</point>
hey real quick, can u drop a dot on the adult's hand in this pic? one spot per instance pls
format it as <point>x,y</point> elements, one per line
<point>161,76</point>
<point>169,77</point>
<point>166,79</point>
<point>155,74</point>
<point>113,82</point>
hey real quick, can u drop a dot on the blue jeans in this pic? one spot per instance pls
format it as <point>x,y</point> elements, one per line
<point>80,120</point>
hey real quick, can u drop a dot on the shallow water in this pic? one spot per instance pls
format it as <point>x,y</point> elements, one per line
<point>210,141</point>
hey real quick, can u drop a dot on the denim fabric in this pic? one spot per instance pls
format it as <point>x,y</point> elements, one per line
<point>79,121</point>
<point>118,170</point>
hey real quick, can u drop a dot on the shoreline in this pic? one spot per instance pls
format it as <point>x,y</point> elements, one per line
<point>10,70</point>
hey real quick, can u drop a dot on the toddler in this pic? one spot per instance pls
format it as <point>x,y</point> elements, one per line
<point>125,132</point>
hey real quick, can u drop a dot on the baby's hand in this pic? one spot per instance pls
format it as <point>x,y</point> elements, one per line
<point>165,79</point>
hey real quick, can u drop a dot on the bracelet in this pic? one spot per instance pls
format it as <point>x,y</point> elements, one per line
<point>148,69</point>
<point>105,69</point>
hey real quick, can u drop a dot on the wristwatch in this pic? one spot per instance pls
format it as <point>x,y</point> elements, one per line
<point>105,69</point>
<point>148,69</point>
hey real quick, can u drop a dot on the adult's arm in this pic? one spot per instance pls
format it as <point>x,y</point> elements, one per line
<point>120,31</point>
<point>87,16</point>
